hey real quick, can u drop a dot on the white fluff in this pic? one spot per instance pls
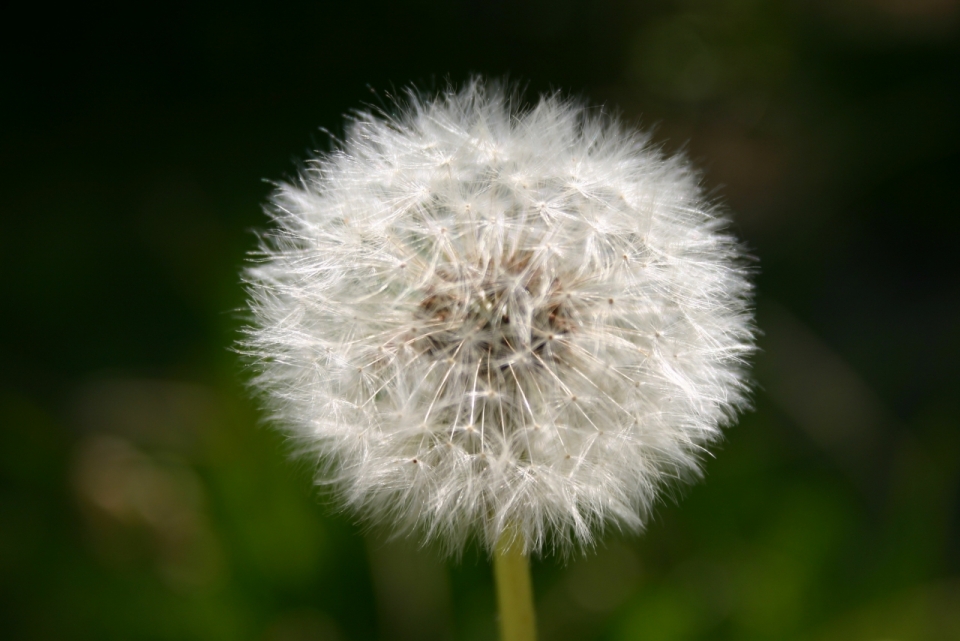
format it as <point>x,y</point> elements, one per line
<point>478,317</point>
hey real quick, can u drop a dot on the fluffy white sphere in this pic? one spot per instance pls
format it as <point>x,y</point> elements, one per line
<point>479,318</point>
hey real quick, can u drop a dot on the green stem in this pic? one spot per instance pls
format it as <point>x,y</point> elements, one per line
<point>511,567</point>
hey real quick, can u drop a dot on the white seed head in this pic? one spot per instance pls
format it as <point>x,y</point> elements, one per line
<point>479,318</point>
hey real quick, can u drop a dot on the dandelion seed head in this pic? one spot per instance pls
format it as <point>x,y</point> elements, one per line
<point>479,317</point>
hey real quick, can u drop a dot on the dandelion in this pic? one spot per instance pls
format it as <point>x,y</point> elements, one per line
<point>514,326</point>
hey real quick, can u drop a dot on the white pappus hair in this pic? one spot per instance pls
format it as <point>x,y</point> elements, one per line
<point>478,317</point>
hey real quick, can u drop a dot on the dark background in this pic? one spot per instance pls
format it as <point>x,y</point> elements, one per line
<point>142,498</point>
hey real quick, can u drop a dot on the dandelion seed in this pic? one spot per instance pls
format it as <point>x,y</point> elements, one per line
<point>482,318</point>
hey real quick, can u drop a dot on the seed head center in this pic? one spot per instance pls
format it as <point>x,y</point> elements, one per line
<point>495,316</point>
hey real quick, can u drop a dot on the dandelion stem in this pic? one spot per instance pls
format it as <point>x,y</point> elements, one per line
<point>511,568</point>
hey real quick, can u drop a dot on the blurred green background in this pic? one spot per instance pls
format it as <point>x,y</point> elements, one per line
<point>141,497</point>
